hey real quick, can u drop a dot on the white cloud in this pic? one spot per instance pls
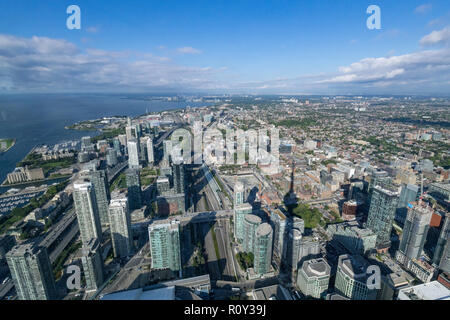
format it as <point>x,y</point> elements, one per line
<point>188,50</point>
<point>93,29</point>
<point>424,8</point>
<point>436,37</point>
<point>40,64</point>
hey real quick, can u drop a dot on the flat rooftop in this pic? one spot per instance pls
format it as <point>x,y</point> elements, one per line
<point>426,291</point>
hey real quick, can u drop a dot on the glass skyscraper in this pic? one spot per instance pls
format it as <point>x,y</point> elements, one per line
<point>86,208</point>
<point>382,209</point>
<point>263,248</point>
<point>121,236</point>
<point>164,237</point>
<point>31,272</point>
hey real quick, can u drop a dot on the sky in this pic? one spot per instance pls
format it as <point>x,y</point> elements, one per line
<point>233,46</point>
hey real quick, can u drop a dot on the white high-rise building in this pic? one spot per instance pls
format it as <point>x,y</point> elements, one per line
<point>133,154</point>
<point>87,211</point>
<point>150,152</point>
<point>120,225</point>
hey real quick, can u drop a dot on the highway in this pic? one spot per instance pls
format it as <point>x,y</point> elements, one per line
<point>223,241</point>
<point>5,288</point>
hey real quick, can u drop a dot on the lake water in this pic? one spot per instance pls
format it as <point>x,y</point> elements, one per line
<point>40,119</point>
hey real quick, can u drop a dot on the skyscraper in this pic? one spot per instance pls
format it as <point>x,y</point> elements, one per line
<point>409,193</point>
<point>314,277</point>
<point>278,221</point>
<point>133,181</point>
<point>150,152</point>
<point>239,214</point>
<point>164,238</point>
<point>351,278</point>
<point>116,146</point>
<point>251,223</point>
<point>167,149</point>
<point>31,272</point>
<point>92,262</point>
<point>133,153</point>
<point>238,193</point>
<point>415,230</point>
<point>99,181</point>
<point>263,248</point>
<point>381,214</point>
<point>441,255</point>
<point>87,211</point>
<point>129,132</point>
<point>294,249</point>
<point>111,157</point>
<point>178,178</point>
<point>121,236</point>
<point>143,149</point>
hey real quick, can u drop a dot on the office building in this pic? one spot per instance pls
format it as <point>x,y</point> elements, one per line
<point>382,209</point>
<point>278,221</point>
<point>111,157</point>
<point>313,278</point>
<point>299,224</point>
<point>263,249</point>
<point>178,178</point>
<point>86,144</point>
<point>251,223</point>
<point>133,181</point>
<point>133,153</point>
<point>31,272</point>
<point>167,150</point>
<point>426,291</point>
<point>164,237</point>
<point>99,181</point>
<point>120,225</point>
<point>441,257</point>
<point>415,229</point>
<point>117,146</point>
<point>238,193</point>
<point>150,151</point>
<point>409,193</point>
<point>87,211</point>
<point>391,284</point>
<point>354,238</point>
<point>163,185</point>
<point>351,278</point>
<point>239,215</point>
<point>92,262</point>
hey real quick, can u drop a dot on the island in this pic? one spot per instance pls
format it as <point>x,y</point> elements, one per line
<point>6,144</point>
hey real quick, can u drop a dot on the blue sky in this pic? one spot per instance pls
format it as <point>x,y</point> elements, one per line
<point>226,46</point>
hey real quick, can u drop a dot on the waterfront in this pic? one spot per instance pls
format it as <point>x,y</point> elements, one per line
<point>41,118</point>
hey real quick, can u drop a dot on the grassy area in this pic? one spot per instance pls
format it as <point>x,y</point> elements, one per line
<point>108,134</point>
<point>34,160</point>
<point>148,176</point>
<point>311,217</point>
<point>245,260</point>
<point>7,143</point>
<point>216,246</point>
<point>59,262</point>
<point>119,182</point>
<point>222,188</point>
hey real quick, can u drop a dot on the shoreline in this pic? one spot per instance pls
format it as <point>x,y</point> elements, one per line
<point>13,143</point>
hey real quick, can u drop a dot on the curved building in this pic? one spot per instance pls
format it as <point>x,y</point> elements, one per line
<point>251,223</point>
<point>263,248</point>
